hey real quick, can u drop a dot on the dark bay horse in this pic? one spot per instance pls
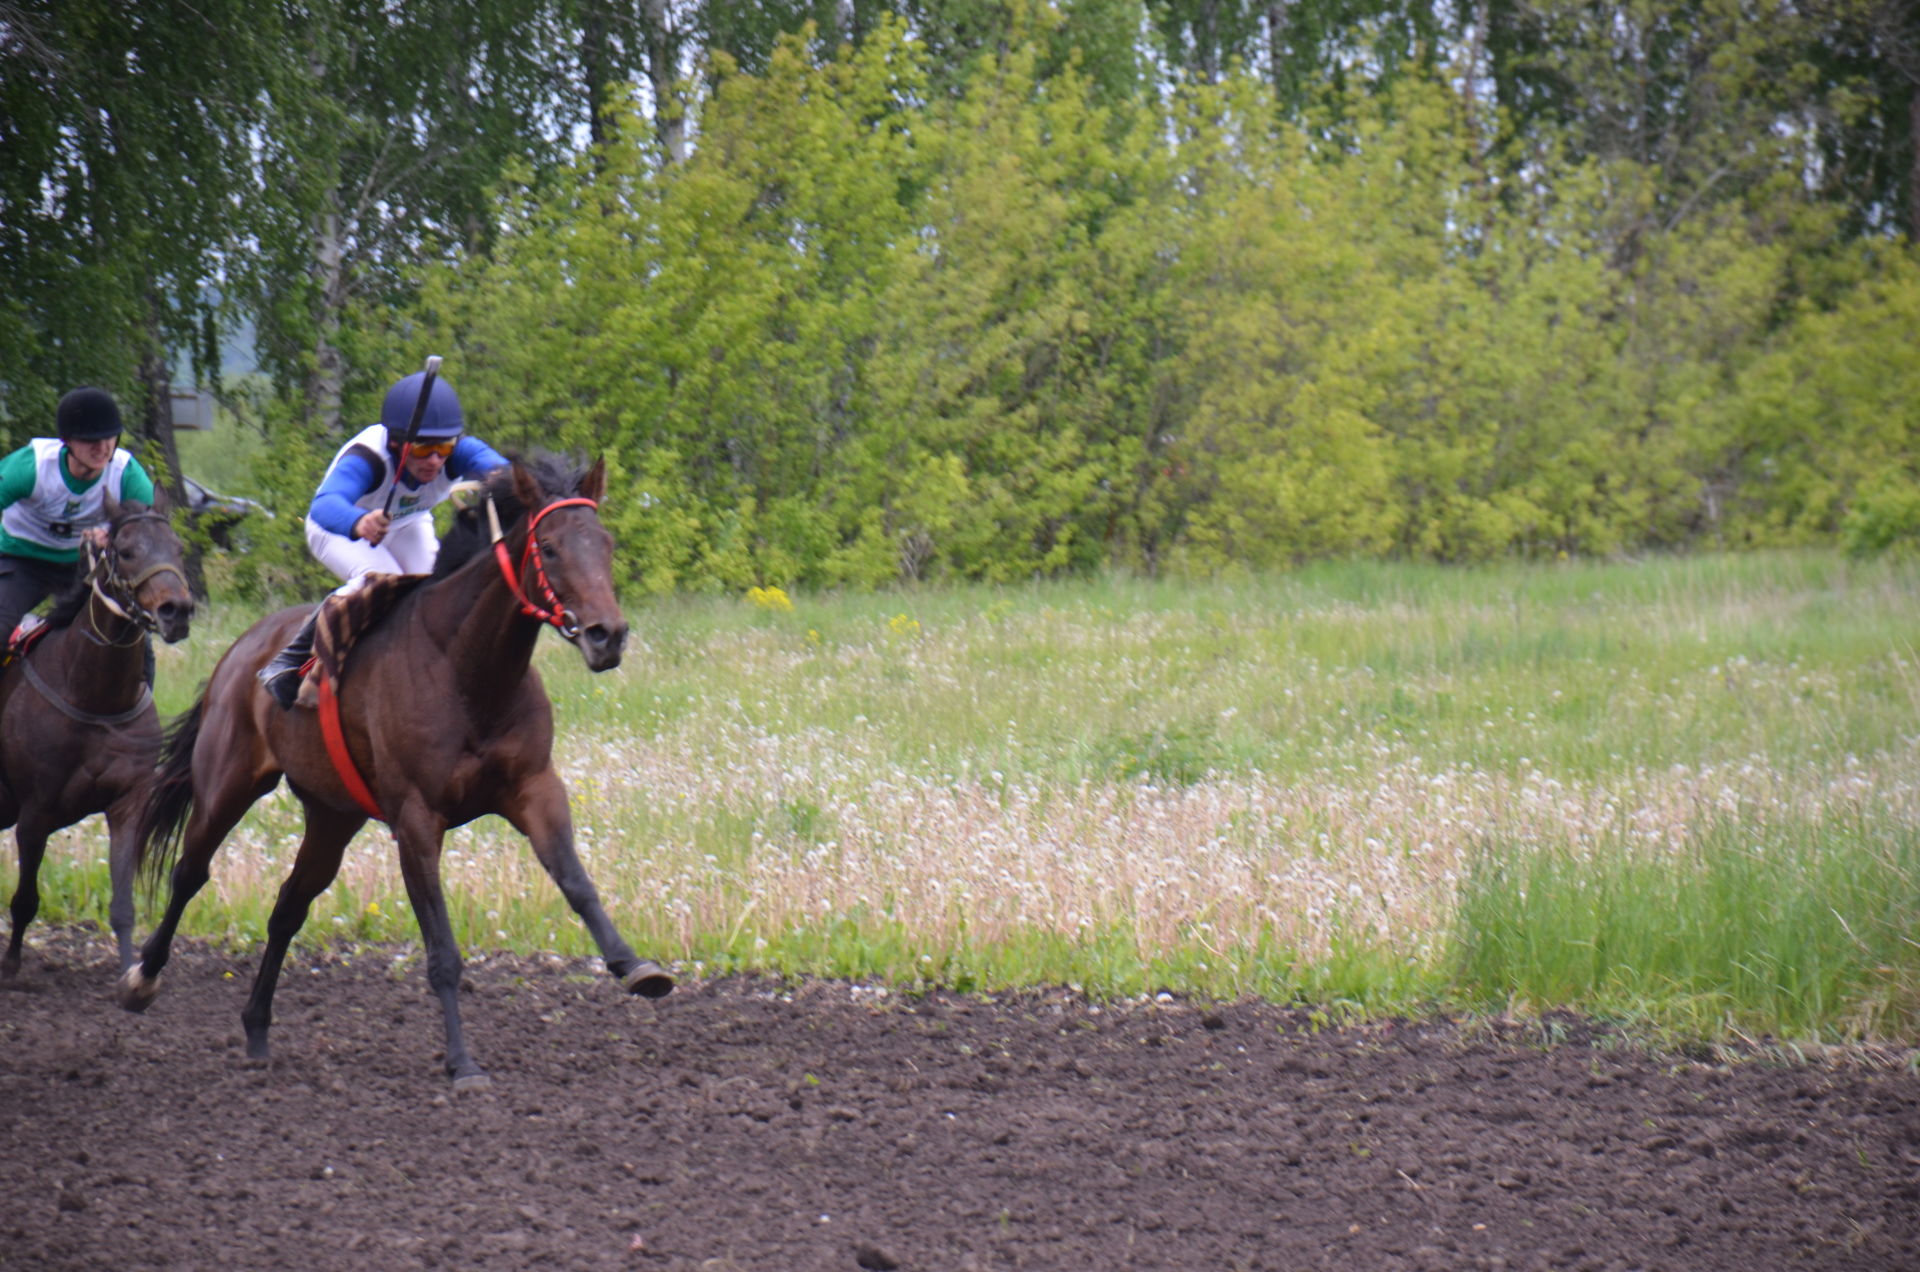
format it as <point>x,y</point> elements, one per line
<point>445,718</point>
<point>78,731</point>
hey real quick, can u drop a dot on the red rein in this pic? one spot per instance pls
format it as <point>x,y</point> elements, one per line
<point>552,612</point>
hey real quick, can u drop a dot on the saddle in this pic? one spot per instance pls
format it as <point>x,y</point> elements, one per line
<point>23,638</point>
<point>346,617</point>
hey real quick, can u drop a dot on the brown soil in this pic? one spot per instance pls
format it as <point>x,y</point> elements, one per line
<point>746,1124</point>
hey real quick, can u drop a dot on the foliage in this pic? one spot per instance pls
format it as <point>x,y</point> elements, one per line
<point>857,295</point>
<point>862,336</point>
<point>124,154</point>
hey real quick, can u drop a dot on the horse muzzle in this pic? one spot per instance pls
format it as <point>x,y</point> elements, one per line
<point>172,618</point>
<point>601,644</point>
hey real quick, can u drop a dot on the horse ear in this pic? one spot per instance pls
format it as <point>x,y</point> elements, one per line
<point>526,487</point>
<point>162,501</point>
<point>594,485</point>
<point>110,506</point>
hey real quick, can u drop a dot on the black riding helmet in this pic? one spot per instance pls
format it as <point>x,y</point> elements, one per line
<point>87,415</point>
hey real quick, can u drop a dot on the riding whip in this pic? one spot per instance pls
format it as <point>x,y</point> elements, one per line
<point>413,427</point>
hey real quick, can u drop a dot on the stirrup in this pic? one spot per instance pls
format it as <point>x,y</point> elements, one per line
<point>282,684</point>
<point>285,670</point>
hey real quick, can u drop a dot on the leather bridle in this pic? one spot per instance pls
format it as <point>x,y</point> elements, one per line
<point>550,609</point>
<point>121,595</point>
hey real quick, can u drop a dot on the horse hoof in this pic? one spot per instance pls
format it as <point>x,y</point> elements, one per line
<point>471,1082</point>
<point>136,991</point>
<point>648,979</point>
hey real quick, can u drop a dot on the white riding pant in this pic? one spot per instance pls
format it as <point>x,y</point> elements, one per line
<point>409,548</point>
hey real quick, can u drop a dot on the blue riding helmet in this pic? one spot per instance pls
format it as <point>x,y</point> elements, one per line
<point>442,417</point>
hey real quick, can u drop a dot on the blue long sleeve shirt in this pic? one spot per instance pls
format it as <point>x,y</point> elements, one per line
<point>336,504</point>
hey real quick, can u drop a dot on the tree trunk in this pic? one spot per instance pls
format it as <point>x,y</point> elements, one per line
<point>1280,75</point>
<point>1206,41</point>
<point>156,426</point>
<point>669,115</point>
<point>1913,163</point>
<point>327,383</point>
<point>1476,58</point>
<point>596,71</point>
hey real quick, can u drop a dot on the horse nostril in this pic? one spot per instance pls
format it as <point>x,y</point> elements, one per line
<point>600,636</point>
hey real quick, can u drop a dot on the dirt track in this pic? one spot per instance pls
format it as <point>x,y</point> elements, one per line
<point>746,1125</point>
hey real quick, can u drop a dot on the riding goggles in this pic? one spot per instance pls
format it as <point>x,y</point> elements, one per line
<point>441,446</point>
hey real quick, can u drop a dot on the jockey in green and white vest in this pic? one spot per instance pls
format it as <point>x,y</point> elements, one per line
<point>53,491</point>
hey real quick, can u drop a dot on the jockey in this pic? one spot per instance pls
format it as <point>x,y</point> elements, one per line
<point>53,494</point>
<point>349,527</point>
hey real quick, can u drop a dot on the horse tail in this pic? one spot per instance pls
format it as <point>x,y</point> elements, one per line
<point>163,819</point>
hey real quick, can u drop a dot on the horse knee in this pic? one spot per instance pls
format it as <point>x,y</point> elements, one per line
<point>189,877</point>
<point>284,925</point>
<point>444,972</point>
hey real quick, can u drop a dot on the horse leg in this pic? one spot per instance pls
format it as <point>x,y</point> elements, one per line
<point>420,836</point>
<point>207,828</point>
<point>314,867</point>
<point>538,809</point>
<point>32,838</point>
<point>122,820</point>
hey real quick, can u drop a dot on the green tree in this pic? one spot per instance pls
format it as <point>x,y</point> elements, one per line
<point>126,192</point>
<point>1822,435</point>
<point>391,130</point>
<point>1010,424</point>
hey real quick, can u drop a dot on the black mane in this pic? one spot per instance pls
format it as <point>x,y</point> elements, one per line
<point>558,476</point>
<point>72,599</point>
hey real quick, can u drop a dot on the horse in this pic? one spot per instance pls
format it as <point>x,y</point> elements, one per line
<point>444,719</point>
<point>78,730</point>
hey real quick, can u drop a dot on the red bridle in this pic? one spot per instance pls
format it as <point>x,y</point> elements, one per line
<point>564,620</point>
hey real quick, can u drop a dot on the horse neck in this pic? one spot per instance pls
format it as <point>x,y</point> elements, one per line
<point>475,617</point>
<point>99,664</point>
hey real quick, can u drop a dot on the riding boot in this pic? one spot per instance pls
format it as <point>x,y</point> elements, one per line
<point>281,676</point>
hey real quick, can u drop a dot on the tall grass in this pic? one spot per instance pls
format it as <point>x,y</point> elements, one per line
<point>1681,788</point>
<point>1797,928</point>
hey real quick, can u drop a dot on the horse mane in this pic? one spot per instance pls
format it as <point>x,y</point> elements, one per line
<point>73,598</point>
<point>558,476</point>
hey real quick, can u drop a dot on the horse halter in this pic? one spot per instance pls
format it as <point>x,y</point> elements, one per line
<point>564,620</point>
<point>121,595</point>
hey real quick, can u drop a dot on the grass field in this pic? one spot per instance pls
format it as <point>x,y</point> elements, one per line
<point>1678,791</point>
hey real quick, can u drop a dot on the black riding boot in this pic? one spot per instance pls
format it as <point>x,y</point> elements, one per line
<point>281,676</point>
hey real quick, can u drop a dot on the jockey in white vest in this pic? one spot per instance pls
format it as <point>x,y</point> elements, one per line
<point>53,494</point>
<point>350,529</point>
